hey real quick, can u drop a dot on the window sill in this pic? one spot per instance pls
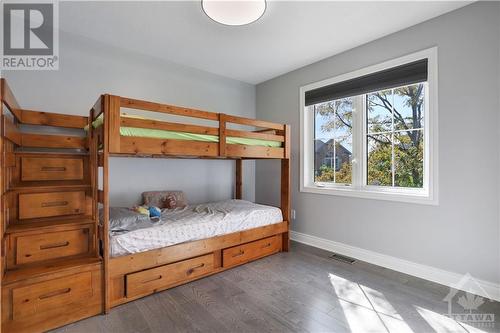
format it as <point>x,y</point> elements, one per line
<point>375,194</point>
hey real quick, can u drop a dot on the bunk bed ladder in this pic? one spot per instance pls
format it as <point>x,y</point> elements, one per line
<point>50,260</point>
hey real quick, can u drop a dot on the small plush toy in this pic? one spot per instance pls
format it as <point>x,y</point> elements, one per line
<point>141,210</point>
<point>154,212</point>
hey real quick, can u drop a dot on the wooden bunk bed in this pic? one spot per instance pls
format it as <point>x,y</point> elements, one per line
<point>133,276</point>
<point>56,252</point>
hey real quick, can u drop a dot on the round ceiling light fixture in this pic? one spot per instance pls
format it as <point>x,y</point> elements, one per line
<point>236,12</point>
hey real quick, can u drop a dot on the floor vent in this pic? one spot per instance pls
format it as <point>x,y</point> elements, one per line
<point>344,259</point>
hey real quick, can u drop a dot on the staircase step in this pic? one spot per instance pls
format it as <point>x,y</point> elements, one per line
<point>33,272</point>
<point>49,185</point>
<point>47,223</point>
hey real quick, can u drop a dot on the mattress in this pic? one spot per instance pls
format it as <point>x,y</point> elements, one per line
<point>173,135</point>
<point>193,223</point>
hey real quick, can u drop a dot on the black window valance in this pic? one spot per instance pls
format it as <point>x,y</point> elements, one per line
<point>389,78</point>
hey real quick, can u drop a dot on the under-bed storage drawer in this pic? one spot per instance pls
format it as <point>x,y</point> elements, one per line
<point>151,280</point>
<point>45,303</point>
<point>53,295</point>
<point>29,248</point>
<point>33,205</point>
<point>249,251</point>
<point>47,168</point>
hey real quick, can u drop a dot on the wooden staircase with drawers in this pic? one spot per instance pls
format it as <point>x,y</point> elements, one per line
<point>50,265</point>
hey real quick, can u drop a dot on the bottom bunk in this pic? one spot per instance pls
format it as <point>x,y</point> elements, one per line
<point>188,243</point>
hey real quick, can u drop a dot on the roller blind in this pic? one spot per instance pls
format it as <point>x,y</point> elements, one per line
<point>389,78</point>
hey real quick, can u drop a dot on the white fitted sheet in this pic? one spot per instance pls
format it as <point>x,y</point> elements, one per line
<point>194,223</point>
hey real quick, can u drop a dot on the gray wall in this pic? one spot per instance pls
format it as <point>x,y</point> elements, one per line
<point>88,69</point>
<point>462,233</point>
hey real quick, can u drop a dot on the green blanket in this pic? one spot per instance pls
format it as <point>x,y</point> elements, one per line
<point>173,135</point>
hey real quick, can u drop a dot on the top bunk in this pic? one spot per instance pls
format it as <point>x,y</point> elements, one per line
<point>120,131</point>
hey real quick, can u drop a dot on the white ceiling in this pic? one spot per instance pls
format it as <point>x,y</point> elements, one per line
<point>289,35</point>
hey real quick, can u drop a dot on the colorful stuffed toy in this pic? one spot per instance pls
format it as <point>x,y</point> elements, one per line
<point>141,210</point>
<point>154,212</point>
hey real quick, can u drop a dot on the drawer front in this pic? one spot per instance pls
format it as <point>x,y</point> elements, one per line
<point>246,252</point>
<point>46,168</point>
<point>52,245</point>
<point>148,281</point>
<point>35,205</point>
<point>33,301</point>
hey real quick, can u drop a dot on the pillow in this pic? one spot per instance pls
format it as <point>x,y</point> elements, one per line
<point>164,199</point>
<point>123,219</point>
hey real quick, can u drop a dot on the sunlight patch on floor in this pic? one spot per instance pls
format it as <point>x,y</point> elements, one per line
<point>442,323</point>
<point>366,309</point>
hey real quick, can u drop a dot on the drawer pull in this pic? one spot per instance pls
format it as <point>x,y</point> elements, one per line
<point>53,246</point>
<point>53,169</point>
<point>159,277</point>
<point>54,204</point>
<point>191,270</point>
<point>55,293</point>
<point>239,254</point>
<point>266,245</point>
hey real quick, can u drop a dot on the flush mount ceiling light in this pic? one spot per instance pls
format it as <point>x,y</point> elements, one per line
<point>234,12</point>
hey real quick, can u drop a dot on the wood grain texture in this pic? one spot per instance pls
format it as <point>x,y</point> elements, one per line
<point>34,205</point>
<point>240,254</point>
<point>105,206</point>
<point>285,198</point>
<point>11,131</point>
<point>243,151</point>
<point>151,280</point>
<point>150,146</point>
<point>40,306</point>
<point>51,168</point>
<point>52,141</point>
<point>253,122</point>
<point>166,108</point>
<point>255,135</point>
<point>25,247</point>
<point>112,118</point>
<point>222,134</point>
<point>52,119</point>
<point>168,126</point>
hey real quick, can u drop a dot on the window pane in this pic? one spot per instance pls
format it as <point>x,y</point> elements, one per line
<point>333,141</point>
<point>379,109</point>
<point>379,160</point>
<point>343,160</point>
<point>409,159</point>
<point>409,107</point>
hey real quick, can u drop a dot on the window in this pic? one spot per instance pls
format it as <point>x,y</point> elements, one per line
<point>371,133</point>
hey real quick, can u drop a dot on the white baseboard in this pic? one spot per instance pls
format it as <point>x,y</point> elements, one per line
<point>486,288</point>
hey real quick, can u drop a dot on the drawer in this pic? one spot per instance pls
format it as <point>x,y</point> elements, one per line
<point>249,251</point>
<point>32,302</point>
<point>148,281</point>
<point>48,168</point>
<point>33,205</point>
<point>51,245</point>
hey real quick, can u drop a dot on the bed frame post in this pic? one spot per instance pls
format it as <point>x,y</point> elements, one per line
<point>222,135</point>
<point>112,115</point>
<point>239,179</point>
<point>109,103</point>
<point>285,189</point>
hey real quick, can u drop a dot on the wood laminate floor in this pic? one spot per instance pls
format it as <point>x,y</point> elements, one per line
<point>300,291</point>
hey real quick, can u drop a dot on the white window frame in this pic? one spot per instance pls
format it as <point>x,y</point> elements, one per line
<point>428,194</point>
